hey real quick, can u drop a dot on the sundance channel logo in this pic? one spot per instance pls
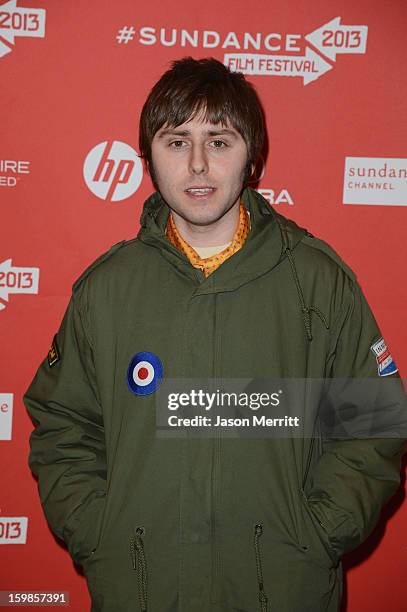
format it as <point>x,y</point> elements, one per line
<point>376,181</point>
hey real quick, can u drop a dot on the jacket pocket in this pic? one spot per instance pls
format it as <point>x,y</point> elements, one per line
<point>258,530</point>
<point>319,532</point>
<point>139,564</point>
<point>87,533</point>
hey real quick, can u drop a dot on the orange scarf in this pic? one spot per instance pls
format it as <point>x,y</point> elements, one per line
<point>210,264</point>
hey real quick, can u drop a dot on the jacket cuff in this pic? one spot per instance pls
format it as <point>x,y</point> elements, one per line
<point>340,528</point>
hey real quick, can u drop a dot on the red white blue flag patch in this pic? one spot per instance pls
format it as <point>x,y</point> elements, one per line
<point>145,373</point>
<point>385,363</point>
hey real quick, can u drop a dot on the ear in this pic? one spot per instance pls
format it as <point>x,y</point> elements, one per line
<point>252,168</point>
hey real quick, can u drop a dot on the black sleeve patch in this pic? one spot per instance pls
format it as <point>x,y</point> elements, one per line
<point>53,353</point>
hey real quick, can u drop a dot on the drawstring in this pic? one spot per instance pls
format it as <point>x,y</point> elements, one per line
<point>305,310</point>
<point>258,530</point>
<point>139,563</point>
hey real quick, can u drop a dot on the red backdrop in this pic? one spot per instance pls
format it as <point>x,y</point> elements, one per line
<point>333,83</point>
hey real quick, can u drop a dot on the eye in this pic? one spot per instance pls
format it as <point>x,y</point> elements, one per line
<point>218,144</point>
<point>177,144</point>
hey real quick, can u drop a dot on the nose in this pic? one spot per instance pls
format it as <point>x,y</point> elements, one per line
<point>198,163</point>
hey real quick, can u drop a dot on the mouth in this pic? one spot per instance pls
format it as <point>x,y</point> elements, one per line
<point>200,192</point>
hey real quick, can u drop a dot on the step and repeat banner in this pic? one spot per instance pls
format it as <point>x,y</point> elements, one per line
<point>74,76</point>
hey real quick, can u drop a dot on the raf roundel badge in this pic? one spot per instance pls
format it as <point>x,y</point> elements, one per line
<point>145,373</point>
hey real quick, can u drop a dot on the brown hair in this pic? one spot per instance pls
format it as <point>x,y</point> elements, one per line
<point>193,87</point>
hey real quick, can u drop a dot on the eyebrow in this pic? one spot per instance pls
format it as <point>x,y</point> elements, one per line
<point>216,132</point>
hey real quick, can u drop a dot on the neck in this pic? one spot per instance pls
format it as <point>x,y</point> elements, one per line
<point>214,234</point>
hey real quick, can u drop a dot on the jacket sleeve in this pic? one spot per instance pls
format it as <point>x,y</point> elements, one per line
<point>67,446</point>
<point>360,470</point>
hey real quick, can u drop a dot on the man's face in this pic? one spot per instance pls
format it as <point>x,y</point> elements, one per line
<point>199,169</point>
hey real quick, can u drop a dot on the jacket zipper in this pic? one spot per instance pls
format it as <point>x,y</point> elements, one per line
<point>139,564</point>
<point>309,459</point>
<point>258,530</point>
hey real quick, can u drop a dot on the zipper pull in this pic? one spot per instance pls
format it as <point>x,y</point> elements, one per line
<point>139,531</point>
<point>258,529</point>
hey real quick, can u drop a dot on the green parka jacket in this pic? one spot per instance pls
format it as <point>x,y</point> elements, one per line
<point>195,524</point>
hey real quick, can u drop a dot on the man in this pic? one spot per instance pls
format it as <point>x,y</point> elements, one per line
<point>217,285</point>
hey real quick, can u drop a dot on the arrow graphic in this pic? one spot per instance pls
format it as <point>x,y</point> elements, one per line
<point>17,280</point>
<point>4,49</point>
<point>22,21</point>
<point>309,66</point>
<point>333,38</point>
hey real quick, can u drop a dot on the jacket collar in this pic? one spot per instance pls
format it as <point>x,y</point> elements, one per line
<point>266,245</point>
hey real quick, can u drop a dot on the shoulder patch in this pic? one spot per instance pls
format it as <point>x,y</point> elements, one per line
<point>323,246</point>
<point>53,354</point>
<point>385,363</point>
<point>97,262</point>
